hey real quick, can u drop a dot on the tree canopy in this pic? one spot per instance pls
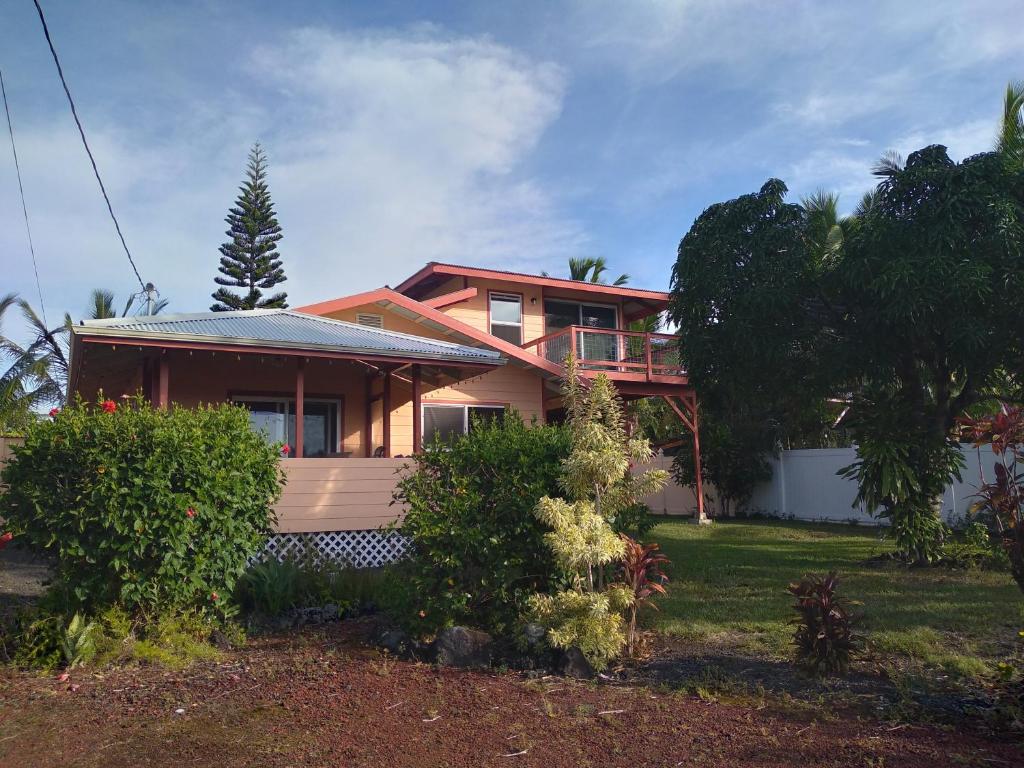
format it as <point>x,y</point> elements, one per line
<point>249,259</point>
<point>905,312</point>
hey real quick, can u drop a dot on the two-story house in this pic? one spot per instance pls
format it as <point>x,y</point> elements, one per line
<point>351,383</point>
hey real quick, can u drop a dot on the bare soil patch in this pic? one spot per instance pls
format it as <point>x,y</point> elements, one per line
<point>325,697</point>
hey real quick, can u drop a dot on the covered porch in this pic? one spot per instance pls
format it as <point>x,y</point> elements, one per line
<point>325,388</point>
<point>345,399</point>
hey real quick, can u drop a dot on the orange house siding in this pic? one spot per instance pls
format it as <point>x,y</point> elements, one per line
<point>509,385</point>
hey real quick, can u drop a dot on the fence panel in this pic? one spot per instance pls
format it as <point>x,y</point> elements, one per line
<point>805,486</point>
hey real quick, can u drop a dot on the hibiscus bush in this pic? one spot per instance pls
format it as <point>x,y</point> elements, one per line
<point>152,510</point>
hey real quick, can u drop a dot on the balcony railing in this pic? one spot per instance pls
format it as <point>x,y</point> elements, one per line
<point>611,351</point>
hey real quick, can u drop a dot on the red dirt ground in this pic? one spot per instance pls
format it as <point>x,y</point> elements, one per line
<point>324,698</point>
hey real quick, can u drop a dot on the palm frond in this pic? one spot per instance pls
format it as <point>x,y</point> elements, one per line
<point>1011,131</point>
<point>889,164</point>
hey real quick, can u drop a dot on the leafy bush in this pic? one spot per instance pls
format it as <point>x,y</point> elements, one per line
<point>635,521</point>
<point>1001,499</point>
<point>595,475</point>
<point>825,640</point>
<point>477,550</point>
<point>145,508</point>
<point>591,621</point>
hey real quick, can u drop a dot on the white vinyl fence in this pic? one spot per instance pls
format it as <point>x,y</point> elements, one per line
<point>805,486</point>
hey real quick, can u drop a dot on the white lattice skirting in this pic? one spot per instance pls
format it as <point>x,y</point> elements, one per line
<point>355,549</point>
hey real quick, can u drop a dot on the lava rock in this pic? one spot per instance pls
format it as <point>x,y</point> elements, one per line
<point>331,612</point>
<point>220,641</point>
<point>575,664</point>
<point>534,634</point>
<point>393,640</point>
<point>463,647</point>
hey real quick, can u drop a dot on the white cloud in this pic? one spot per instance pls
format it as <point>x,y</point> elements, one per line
<point>386,150</point>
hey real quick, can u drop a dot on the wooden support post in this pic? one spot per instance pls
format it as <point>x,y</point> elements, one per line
<point>647,353</point>
<point>702,518</point>
<point>386,409</point>
<point>417,409</point>
<point>368,423</point>
<point>163,384</point>
<point>300,404</point>
<point>572,341</point>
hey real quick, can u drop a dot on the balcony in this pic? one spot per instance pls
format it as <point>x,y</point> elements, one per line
<point>622,355</point>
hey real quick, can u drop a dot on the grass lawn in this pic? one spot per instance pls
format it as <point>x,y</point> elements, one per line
<point>729,589</point>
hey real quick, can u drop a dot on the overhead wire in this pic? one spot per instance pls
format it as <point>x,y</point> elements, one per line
<point>85,143</point>
<point>24,207</point>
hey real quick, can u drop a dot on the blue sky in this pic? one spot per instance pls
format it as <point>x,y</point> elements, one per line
<point>498,134</point>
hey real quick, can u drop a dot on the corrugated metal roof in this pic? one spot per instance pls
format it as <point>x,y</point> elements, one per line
<point>285,328</point>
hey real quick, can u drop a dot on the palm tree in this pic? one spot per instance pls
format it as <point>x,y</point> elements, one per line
<point>38,372</point>
<point>825,226</point>
<point>590,269</point>
<point>1011,131</point>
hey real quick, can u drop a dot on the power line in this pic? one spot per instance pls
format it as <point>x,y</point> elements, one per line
<point>24,208</point>
<point>81,131</point>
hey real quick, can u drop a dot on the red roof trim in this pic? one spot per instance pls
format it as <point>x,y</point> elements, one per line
<point>390,294</point>
<point>435,268</point>
<point>447,299</point>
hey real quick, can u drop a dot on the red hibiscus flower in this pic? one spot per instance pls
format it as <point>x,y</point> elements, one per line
<point>190,512</point>
<point>285,449</point>
<point>214,596</point>
<point>54,412</point>
<point>5,539</point>
<point>108,406</point>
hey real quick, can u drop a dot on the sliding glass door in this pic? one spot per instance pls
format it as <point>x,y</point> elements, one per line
<point>275,418</point>
<point>589,346</point>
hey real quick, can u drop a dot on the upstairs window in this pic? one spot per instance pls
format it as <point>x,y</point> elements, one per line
<point>507,317</point>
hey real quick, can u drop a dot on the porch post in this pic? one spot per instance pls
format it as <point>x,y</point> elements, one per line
<point>163,385</point>
<point>300,404</point>
<point>386,410</point>
<point>701,517</point>
<point>417,410</point>
<point>368,423</point>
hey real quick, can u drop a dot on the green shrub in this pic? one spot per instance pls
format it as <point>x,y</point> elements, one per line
<point>477,549</point>
<point>635,521</point>
<point>590,621</point>
<point>152,510</point>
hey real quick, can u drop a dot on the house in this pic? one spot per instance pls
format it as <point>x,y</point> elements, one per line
<point>352,384</point>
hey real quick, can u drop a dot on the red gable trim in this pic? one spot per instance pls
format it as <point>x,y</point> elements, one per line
<point>389,294</point>
<point>433,268</point>
<point>448,299</point>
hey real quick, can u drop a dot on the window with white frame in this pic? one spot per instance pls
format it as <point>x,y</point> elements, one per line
<point>507,317</point>
<point>443,421</point>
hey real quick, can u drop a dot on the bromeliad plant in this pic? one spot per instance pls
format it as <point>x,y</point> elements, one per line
<point>600,487</point>
<point>1001,500</point>
<point>824,638</point>
<point>641,572</point>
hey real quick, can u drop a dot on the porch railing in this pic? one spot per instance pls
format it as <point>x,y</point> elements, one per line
<point>612,351</point>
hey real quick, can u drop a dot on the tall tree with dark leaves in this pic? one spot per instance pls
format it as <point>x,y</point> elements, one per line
<point>249,260</point>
